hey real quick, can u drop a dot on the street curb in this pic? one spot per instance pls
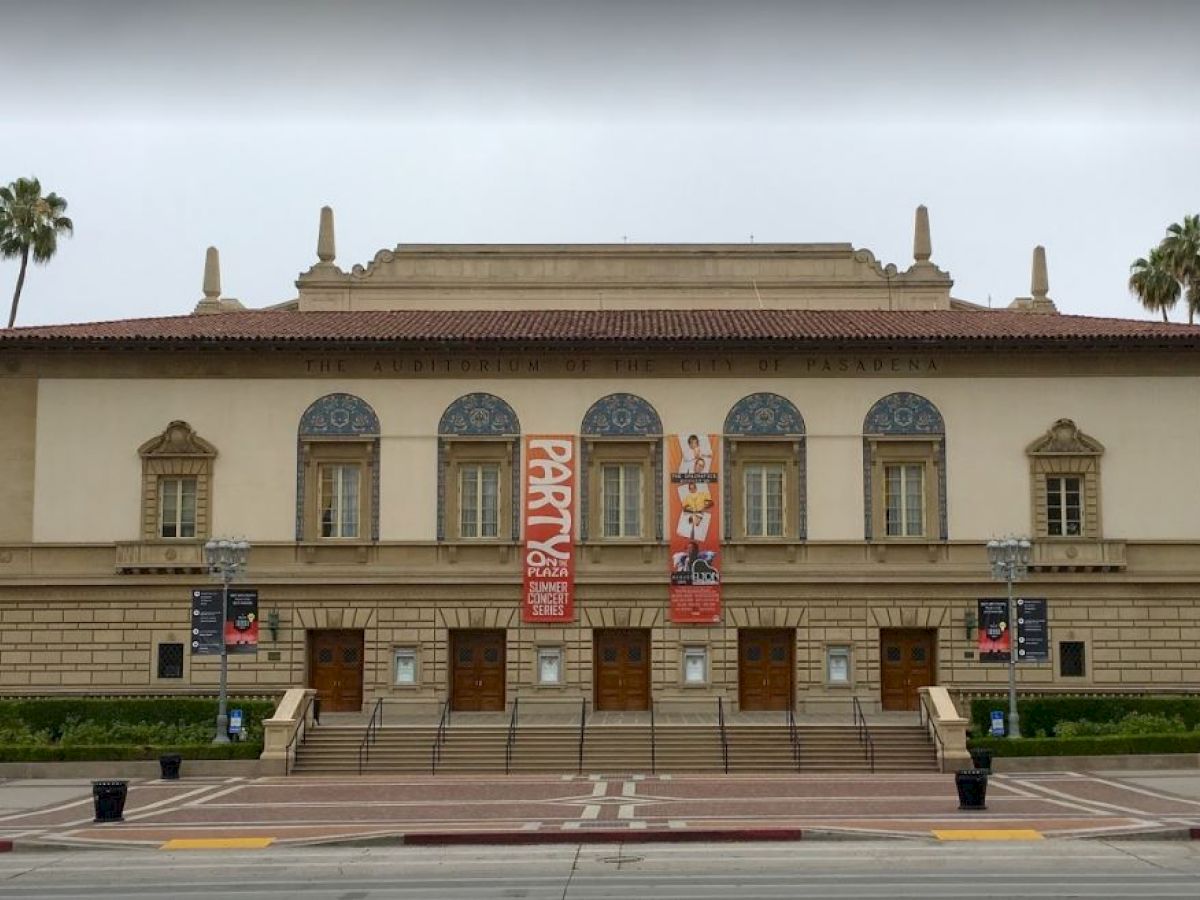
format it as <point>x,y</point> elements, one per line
<point>598,836</point>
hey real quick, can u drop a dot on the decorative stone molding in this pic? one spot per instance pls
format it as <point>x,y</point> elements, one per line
<point>903,415</point>
<point>176,453</point>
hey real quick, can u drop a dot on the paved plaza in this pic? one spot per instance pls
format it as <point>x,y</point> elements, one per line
<point>259,812</point>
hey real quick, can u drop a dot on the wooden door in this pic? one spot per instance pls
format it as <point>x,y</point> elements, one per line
<point>907,662</point>
<point>477,671</point>
<point>621,660</point>
<point>766,663</point>
<point>335,669</point>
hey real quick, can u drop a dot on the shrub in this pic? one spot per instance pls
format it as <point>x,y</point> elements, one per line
<point>1133,723</point>
<point>121,752</point>
<point>55,715</point>
<point>1102,745</point>
<point>1043,714</point>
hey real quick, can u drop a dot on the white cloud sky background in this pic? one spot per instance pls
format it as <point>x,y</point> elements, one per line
<point>170,126</point>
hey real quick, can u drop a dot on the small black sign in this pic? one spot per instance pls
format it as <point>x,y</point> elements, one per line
<point>1033,632</point>
<point>206,622</point>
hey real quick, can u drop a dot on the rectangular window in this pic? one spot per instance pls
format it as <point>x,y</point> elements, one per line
<point>339,501</point>
<point>550,665</point>
<point>177,507</point>
<point>905,492</point>
<point>170,660</point>
<point>837,665</point>
<point>1064,516</point>
<point>622,500</point>
<point>479,500</point>
<point>406,665</point>
<point>1071,661</point>
<point>764,499</point>
<point>695,665</point>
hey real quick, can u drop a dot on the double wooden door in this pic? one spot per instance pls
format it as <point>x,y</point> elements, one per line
<point>335,669</point>
<point>907,661</point>
<point>477,671</point>
<point>766,666</point>
<point>621,668</point>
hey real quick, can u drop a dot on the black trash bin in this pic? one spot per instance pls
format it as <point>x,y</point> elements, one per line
<point>109,800</point>
<point>981,758</point>
<point>972,788</point>
<point>169,763</point>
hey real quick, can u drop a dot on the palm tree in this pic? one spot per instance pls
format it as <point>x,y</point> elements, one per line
<point>30,225</point>
<point>1153,282</point>
<point>1182,249</point>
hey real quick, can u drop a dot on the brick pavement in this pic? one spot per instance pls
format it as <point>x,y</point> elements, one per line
<point>533,808</point>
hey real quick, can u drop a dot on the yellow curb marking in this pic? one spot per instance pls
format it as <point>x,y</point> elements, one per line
<point>237,843</point>
<point>988,834</point>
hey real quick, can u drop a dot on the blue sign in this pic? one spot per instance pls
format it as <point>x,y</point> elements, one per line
<point>997,723</point>
<point>235,721</point>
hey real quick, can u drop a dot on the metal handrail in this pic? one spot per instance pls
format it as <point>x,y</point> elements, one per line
<point>511,741</point>
<point>724,737</point>
<point>435,752</point>
<point>653,742</point>
<point>300,734</point>
<point>364,749</point>
<point>864,734</point>
<point>794,737</point>
<point>925,715</point>
<point>582,725</point>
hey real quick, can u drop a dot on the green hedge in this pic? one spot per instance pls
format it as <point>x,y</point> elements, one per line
<point>1114,745</point>
<point>97,728</point>
<point>121,752</point>
<point>1039,715</point>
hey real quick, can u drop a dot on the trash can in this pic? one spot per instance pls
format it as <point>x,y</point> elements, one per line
<point>169,763</point>
<point>108,797</point>
<point>981,758</point>
<point>972,788</point>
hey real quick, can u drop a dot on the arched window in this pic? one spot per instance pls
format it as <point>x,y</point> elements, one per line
<point>622,471</point>
<point>176,485</point>
<point>337,470</point>
<point>904,469</point>
<point>765,458</point>
<point>479,470</point>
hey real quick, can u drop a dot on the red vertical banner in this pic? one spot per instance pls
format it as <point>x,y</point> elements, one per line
<point>549,503</point>
<point>693,503</point>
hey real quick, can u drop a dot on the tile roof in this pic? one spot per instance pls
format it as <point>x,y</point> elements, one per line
<point>643,327</point>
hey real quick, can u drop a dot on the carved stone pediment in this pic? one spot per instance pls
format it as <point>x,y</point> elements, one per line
<point>177,439</point>
<point>1064,437</point>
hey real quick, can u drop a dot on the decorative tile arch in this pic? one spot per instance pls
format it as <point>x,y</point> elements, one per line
<point>904,414</point>
<point>620,415</point>
<point>479,415</point>
<point>345,417</point>
<point>766,415</point>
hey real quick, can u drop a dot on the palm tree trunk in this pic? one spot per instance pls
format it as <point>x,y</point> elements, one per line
<point>1164,312</point>
<point>12,314</point>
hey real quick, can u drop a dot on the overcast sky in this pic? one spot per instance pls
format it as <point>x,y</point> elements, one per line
<point>170,126</point>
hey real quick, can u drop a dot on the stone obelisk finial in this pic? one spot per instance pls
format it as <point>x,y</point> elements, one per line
<point>1040,285</point>
<point>922,248</point>
<point>325,246</point>
<point>212,274</point>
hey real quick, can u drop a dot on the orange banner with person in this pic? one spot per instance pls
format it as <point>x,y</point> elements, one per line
<point>693,503</point>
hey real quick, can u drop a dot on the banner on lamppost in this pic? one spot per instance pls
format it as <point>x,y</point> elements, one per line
<point>241,621</point>
<point>206,621</point>
<point>549,553</point>
<point>1033,631</point>
<point>995,633</point>
<point>693,502</point>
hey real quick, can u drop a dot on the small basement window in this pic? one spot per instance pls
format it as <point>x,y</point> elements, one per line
<point>1072,662</point>
<point>170,660</point>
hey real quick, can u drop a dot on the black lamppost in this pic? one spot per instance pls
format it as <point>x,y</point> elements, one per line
<point>226,559</point>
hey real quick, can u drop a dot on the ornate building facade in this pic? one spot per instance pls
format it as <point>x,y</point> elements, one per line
<point>778,467</point>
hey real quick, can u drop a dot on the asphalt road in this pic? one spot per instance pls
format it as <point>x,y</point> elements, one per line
<point>883,869</point>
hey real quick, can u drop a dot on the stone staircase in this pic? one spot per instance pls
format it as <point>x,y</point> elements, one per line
<point>616,749</point>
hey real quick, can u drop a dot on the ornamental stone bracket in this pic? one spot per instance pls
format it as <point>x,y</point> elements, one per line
<point>154,558</point>
<point>1053,555</point>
